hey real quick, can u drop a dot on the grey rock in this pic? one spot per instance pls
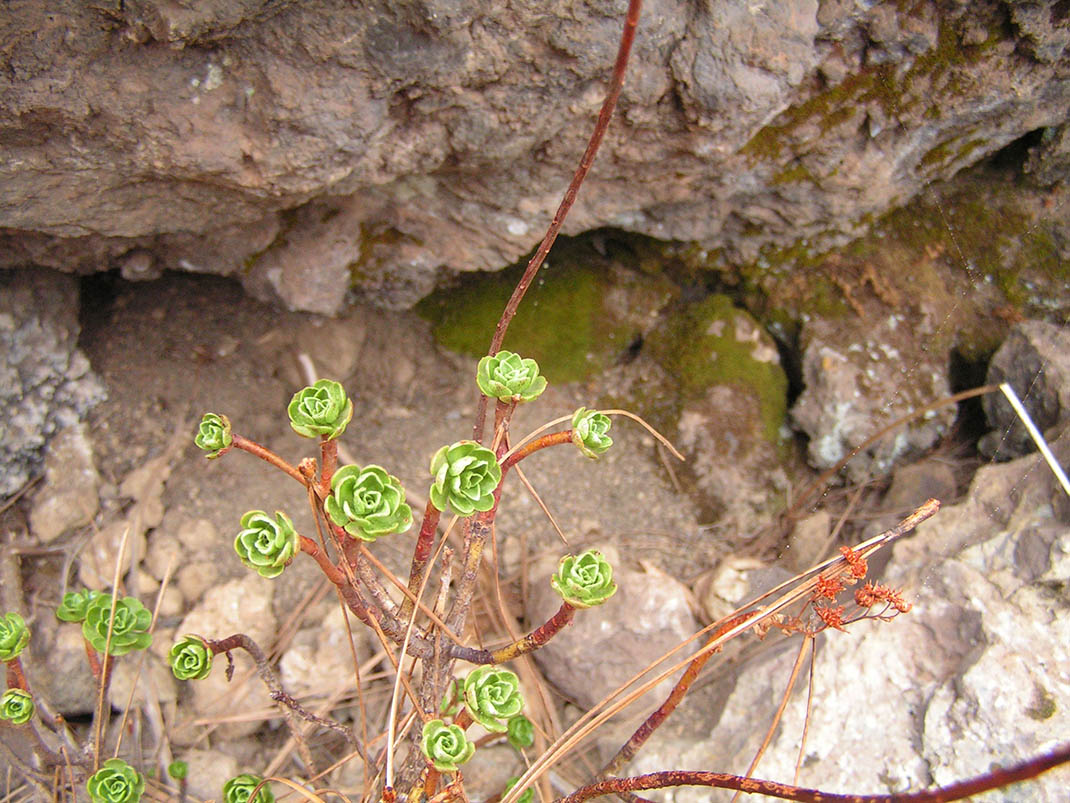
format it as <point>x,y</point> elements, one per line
<point>312,148</point>
<point>1035,361</point>
<point>862,375</point>
<point>45,381</point>
<point>68,498</point>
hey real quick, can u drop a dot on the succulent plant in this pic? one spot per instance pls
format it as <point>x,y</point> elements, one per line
<point>509,377</point>
<point>589,428</point>
<point>178,770</point>
<point>367,502</point>
<point>466,475</point>
<point>129,632</point>
<point>527,796</point>
<point>265,544</point>
<point>320,410</point>
<point>452,699</point>
<point>72,607</point>
<point>240,790</point>
<point>584,580</point>
<point>190,658</point>
<point>492,695</point>
<point>445,746</point>
<point>14,636</point>
<point>520,731</point>
<point>213,434</point>
<point>115,782</point>
<point>16,706</point>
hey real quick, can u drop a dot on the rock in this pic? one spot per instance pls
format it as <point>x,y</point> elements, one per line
<point>808,542</point>
<point>973,676</point>
<point>208,771</point>
<point>1035,361</point>
<point>150,679</point>
<point>650,613</point>
<point>410,139</point>
<point>862,375</point>
<point>45,381</point>
<point>97,566</point>
<point>318,661</point>
<point>68,498</point>
<point>59,670</point>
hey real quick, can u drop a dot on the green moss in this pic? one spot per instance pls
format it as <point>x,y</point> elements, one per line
<point>375,240</point>
<point>1043,706</point>
<point>697,346</point>
<point>794,174</point>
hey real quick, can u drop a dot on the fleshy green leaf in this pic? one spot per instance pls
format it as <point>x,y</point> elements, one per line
<point>14,636</point>
<point>584,580</point>
<point>320,410</point>
<point>445,746</point>
<point>520,731</point>
<point>74,604</point>
<point>130,631</point>
<point>266,544</point>
<point>367,502</point>
<point>190,658</point>
<point>240,790</point>
<point>16,706</point>
<point>589,428</point>
<point>213,434</point>
<point>178,770</point>
<point>527,796</point>
<point>509,377</point>
<point>465,477</point>
<point>492,695</point>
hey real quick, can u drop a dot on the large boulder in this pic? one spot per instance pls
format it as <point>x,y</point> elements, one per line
<point>315,147</point>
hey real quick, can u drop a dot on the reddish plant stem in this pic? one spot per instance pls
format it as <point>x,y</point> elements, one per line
<point>616,82</point>
<point>420,555</point>
<point>93,658</point>
<point>254,448</point>
<point>463,720</point>
<point>328,464</point>
<point>553,439</point>
<point>652,722</point>
<point>997,778</point>
<point>16,678</point>
<point>476,532</point>
<point>529,643</point>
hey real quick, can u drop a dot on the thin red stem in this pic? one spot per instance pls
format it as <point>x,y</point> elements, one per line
<point>553,439</point>
<point>254,448</point>
<point>16,678</point>
<point>529,643</point>
<point>420,555</point>
<point>328,465</point>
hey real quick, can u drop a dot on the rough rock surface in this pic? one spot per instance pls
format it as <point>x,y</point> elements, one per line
<point>1035,361</point>
<point>975,674</point>
<point>45,381</point>
<point>311,147</point>
<point>68,497</point>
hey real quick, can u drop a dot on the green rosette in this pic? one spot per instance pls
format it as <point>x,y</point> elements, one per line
<point>584,580</point>
<point>73,606</point>
<point>16,706</point>
<point>115,782</point>
<point>507,376</point>
<point>466,475</point>
<point>213,434</point>
<point>367,503</point>
<point>179,770</point>
<point>190,658</point>
<point>240,790</point>
<point>266,544</point>
<point>527,796</point>
<point>520,731</point>
<point>445,746</point>
<point>14,636</point>
<point>589,428</point>
<point>491,696</point>
<point>131,628</point>
<point>322,410</point>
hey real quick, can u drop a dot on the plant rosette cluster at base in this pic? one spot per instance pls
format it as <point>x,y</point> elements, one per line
<point>321,410</point>
<point>445,746</point>
<point>128,631</point>
<point>367,503</point>
<point>14,636</point>
<point>584,580</point>
<point>466,475</point>
<point>266,545</point>
<point>115,782</point>
<point>492,696</point>
<point>509,377</point>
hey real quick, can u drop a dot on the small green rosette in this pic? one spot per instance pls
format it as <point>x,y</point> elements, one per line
<point>520,732</point>
<point>367,503</point>
<point>266,544</point>
<point>115,782</point>
<point>213,434</point>
<point>321,410</point>
<point>16,706</point>
<point>179,770</point>
<point>190,658</point>
<point>584,580</point>
<point>491,696</point>
<point>589,428</point>
<point>240,790</point>
<point>129,632</point>
<point>527,796</point>
<point>73,606</point>
<point>14,636</point>
<point>507,376</point>
<point>445,746</point>
<point>465,476</point>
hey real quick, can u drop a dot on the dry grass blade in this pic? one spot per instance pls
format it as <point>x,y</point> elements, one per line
<point>102,685</point>
<point>806,716</point>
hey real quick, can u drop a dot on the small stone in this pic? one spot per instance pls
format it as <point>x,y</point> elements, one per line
<point>193,579</point>
<point>69,497</point>
<point>208,771</point>
<point>808,541</point>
